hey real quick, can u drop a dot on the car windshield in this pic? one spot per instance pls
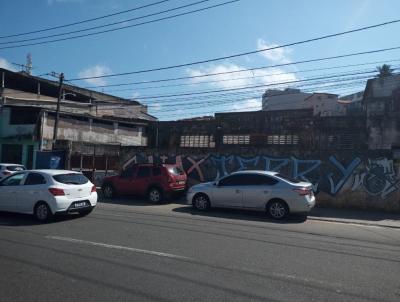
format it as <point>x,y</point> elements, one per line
<point>15,168</point>
<point>175,170</point>
<point>71,178</point>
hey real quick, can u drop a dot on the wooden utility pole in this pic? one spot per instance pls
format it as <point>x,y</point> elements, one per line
<point>61,79</point>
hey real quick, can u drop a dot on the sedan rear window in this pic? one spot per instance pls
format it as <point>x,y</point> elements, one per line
<point>292,180</point>
<point>71,178</point>
<point>15,168</point>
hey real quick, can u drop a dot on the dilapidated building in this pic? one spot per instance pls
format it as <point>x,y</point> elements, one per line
<point>27,117</point>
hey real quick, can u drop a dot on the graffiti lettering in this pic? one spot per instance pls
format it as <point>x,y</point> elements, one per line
<point>377,177</point>
<point>346,173</point>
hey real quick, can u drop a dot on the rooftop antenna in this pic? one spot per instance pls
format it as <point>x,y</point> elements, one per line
<point>28,66</point>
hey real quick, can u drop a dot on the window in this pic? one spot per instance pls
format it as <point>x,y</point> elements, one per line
<point>14,180</point>
<point>283,139</point>
<point>156,171</point>
<point>197,141</point>
<point>34,179</point>
<point>143,172</point>
<point>236,139</point>
<point>248,180</point>
<point>259,180</point>
<point>23,116</point>
<point>15,168</point>
<point>233,180</point>
<point>71,178</point>
<point>293,180</point>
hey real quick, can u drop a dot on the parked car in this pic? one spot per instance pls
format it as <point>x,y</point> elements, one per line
<point>152,180</point>
<point>255,190</point>
<point>45,193</point>
<point>8,169</point>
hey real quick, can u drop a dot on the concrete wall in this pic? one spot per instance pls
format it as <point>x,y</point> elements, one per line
<point>92,131</point>
<point>360,180</point>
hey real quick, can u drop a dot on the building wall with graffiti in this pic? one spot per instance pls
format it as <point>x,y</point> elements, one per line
<point>364,181</point>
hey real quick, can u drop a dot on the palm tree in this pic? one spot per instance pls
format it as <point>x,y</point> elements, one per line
<point>384,71</point>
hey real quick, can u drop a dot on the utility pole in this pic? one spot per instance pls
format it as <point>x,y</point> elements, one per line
<point>61,79</point>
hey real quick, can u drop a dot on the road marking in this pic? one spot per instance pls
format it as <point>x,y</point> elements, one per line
<point>118,247</point>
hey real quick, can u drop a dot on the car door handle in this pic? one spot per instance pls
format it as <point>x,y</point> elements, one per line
<point>238,191</point>
<point>266,192</point>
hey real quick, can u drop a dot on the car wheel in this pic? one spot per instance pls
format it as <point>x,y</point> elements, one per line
<point>42,212</point>
<point>85,213</point>
<point>201,202</point>
<point>277,209</point>
<point>154,195</point>
<point>108,191</point>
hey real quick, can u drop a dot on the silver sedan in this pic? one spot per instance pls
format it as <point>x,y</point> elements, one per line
<point>254,190</point>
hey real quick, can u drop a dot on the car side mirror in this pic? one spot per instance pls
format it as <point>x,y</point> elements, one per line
<point>216,183</point>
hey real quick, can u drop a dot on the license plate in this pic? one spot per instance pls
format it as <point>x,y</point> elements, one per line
<point>80,204</point>
<point>181,182</point>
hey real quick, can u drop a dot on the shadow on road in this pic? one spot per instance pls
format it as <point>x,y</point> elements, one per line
<point>129,200</point>
<point>240,215</point>
<point>16,219</point>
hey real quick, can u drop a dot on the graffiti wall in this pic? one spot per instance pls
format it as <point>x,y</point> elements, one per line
<point>341,181</point>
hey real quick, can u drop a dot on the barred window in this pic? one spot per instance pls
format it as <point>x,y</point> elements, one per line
<point>236,139</point>
<point>283,139</point>
<point>197,141</point>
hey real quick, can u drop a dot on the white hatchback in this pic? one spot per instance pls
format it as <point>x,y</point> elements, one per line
<point>254,190</point>
<point>45,193</point>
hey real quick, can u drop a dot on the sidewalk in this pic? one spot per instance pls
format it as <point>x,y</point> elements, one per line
<point>356,216</point>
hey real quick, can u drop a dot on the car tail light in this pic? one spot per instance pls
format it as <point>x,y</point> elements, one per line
<point>6,173</point>
<point>57,191</point>
<point>170,179</point>
<point>303,191</point>
<point>93,189</point>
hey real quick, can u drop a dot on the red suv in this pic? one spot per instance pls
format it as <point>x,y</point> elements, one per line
<point>152,180</point>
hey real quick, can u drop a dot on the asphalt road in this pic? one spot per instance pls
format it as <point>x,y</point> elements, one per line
<point>131,251</point>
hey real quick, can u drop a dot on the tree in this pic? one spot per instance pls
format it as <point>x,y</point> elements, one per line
<point>384,71</point>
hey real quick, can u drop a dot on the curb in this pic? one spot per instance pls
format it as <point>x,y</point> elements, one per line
<point>353,222</point>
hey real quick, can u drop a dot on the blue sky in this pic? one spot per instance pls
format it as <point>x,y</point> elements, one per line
<point>239,27</point>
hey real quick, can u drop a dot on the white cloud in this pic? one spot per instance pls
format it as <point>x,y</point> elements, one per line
<point>135,95</point>
<point>278,55</point>
<point>235,79</point>
<point>156,107</point>
<point>248,105</point>
<point>6,65</point>
<point>229,75</point>
<point>95,71</point>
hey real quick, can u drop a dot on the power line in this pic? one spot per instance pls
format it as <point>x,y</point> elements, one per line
<point>244,53</point>
<point>123,27</point>
<point>255,93</point>
<point>253,77</point>
<point>240,88</point>
<point>84,21</point>
<point>249,69</point>
<point>105,25</point>
<point>214,103</point>
<point>218,111</point>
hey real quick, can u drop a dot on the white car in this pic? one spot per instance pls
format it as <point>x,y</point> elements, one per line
<point>45,193</point>
<point>8,169</point>
<point>255,190</point>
